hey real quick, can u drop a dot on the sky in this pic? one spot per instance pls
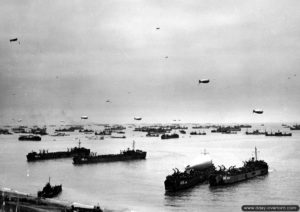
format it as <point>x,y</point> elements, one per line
<point>146,57</point>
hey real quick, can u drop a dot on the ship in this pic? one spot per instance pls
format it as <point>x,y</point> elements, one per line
<point>200,127</point>
<point>295,127</point>
<point>244,126</point>
<point>229,132</point>
<point>279,134</point>
<point>70,128</point>
<point>149,134</point>
<point>38,131</point>
<point>30,138</point>
<point>226,129</point>
<point>167,136</point>
<point>5,132</point>
<point>255,132</point>
<point>115,136</point>
<point>197,133</point>
<point>86,131</point>
<point>191,176</point>
<point>104,132</point>
<point>45,155</point>
<point>251,169</point>
<point>182,131</point>
<point>129,154</point>
<point>50,191</point>
<point>95,137</point>
<point>20,129</point>
<point>60,134</point>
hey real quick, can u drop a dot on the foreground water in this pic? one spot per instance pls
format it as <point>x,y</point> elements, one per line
<point>138,185</point>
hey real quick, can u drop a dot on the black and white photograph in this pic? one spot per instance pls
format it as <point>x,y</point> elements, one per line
<point>149,105</point>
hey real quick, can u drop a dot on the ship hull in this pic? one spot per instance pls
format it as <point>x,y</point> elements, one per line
<point>183,184</point>
<point>30,138</point>
<point>279,134</point>
<point>48,156</point>
<point>54,155</point>
<point>52,192</point>
<point>107,158</point>
<point>192,176</point>
<point>219,179</point>
<point>169,136</point>
<point>33,156</point>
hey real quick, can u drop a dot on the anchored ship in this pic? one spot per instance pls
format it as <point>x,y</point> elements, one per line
<point>197,133</point>
<point>278,134</point>
<point>166,136</point>
<point>114,136</point>
<point>252,168</point>
<point>149,134</point>
<point>129,154</point>
<point>255,132</point>
<point>45,155</point>
<point>191,176</point>
<point>30,138</point>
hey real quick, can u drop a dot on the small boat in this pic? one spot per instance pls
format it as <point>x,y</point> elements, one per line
<point>60,134</point>
<point>182,131</point>
<point>203,81</point>
<point>258,111</point>
<point>50,191</point>
<point>30,138</point>
<point>152,134</point>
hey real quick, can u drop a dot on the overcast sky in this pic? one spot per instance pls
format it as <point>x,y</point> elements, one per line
<point>74,55</point>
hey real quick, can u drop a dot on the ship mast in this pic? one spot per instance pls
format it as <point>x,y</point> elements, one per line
<point>133,145</point>
<point>255,154</point>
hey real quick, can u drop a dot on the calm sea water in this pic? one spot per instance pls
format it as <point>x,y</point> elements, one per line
<point>139,185</point>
